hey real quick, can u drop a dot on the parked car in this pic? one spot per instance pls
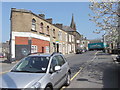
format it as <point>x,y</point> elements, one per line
<point>79,51</point>
<point>83,50</point>
<point>1,55</point>
<point>118,58</point>
<point>39,71</point>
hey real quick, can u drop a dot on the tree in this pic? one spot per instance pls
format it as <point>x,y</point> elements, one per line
<point>106,18</point>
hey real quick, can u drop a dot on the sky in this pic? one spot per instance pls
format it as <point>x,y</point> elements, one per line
<point>60,12</point>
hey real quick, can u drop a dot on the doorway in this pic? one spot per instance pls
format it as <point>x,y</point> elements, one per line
<point>57,47</point>
<point>42,49</point>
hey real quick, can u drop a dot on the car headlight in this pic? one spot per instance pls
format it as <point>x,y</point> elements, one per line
<point>36,86</point>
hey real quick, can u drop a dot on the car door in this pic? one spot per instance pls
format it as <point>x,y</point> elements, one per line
<point>63,71</point>
<point>55,76</point>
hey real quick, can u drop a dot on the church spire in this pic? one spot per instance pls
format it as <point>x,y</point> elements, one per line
<point>73,25</point>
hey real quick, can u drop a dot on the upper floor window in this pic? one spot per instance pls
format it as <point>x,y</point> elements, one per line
<point>54,32</point>
<point>70,38</point>
<point>66,38</point>
<point>41,27</point>
<point>60,35</point>
<point>47,30</point>
<point>34,24</point>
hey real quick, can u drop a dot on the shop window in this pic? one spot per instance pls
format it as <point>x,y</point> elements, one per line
<point>34,49</point>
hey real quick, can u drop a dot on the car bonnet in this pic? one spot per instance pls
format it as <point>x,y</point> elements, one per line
<point>19,79</point>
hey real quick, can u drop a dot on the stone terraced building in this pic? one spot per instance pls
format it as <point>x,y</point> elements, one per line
<point>32,33</point>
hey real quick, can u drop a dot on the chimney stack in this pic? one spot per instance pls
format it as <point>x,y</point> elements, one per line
<point>13,8</point>
<point>49,20</point>
<point>42,16</point>
<point>59,25</point>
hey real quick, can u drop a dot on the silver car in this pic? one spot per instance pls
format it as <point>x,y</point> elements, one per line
<point>38,72</point>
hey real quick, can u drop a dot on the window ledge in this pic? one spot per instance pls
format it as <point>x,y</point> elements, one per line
<point>47,35</point>
<point>54,37</point>
<point>41,33</point>
<point>33,30</point>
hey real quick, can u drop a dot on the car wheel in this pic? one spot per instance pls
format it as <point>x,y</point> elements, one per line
<point>48,88</point>
<point>68,80</point>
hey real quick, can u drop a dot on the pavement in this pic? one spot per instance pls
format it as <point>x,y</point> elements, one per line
<point>100,73</point>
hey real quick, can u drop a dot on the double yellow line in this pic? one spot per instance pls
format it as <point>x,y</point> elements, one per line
<point>73,78</point>
<point>81,68</point>
<point>76,73</point>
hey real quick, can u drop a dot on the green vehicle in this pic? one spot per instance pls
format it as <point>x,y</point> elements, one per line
<point>96,46</point>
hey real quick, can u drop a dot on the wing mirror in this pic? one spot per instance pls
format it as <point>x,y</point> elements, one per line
<point>57,68</point>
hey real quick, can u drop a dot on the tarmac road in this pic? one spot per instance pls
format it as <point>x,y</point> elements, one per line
<point>94,70</point>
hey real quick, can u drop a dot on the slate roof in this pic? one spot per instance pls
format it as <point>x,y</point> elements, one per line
<point>67,28</point>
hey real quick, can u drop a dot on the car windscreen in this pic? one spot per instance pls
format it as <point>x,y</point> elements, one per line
<point>32,64</point>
